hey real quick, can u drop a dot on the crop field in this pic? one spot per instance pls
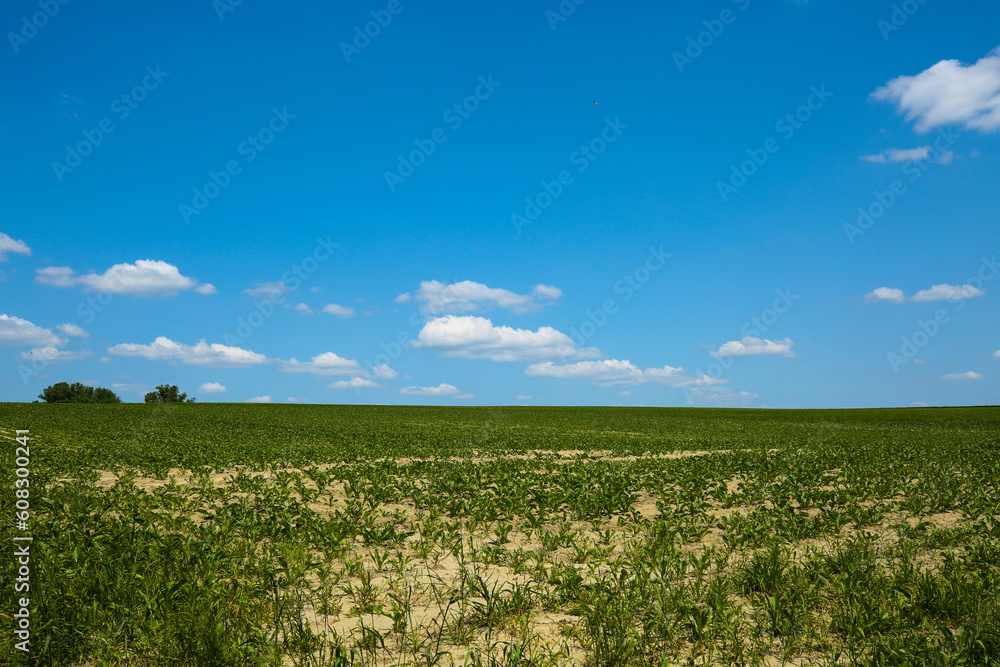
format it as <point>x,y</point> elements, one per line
<point>241,534</point>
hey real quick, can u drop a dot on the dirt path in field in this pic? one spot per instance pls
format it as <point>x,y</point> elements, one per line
<point>182,477</point>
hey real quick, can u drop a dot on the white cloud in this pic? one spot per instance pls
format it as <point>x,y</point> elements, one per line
<point>55,276</point>
<point>215,355</point>
<point>468,296</point>
<point>15,331</point>
<point>304,309</point>
<point>941,292</point>
<point>614,373</point>
<point>625,394</point>
<point>968,375</point>
<point>384,372</point>
<point>53,355</point>
<point>440,390</point>
<point>72,330</point>
<point>946,157</point>
<point>476,338</point>
<point>354,383</point>
<point>327,363</point>
<point>260,399</point>
<point>146,278</point>
<point>919,362</point>
<point>720,395</point>
<point>212,388</point>
<point>342,312</point>
<point>268,291</point>
<point>9,245</point>
<point>996,355</point>
<point>949,92</point>
<point>404,298</point>
<point>886,294</point>
<point>898,155</point>
<point>748,345</point>
<point>522,397</point>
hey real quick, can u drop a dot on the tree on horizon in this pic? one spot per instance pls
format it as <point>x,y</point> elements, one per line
<point>167,393</point>
<point>63,392</point>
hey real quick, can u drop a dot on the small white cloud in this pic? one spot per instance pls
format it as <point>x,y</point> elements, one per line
<point>615,372</point>
<point>342,312</point>
<point>720,395</point>
<point>71,329</point>
<point>146,278</point>
<point>946,157</point>
<point>268,291</point>
<point>942,292</point>
<point>327,363</point>
<point>522,397</point>
<point>949,93</point>
<point>9,245</point>
<point>996,355</point>
<point>55,276</point>
<point>440,390</point>
<point>304,309</point>
<point>215,355</point>
<point>918,404</point>
<point>212,388</point>
<point>899,155</point>
<point>625,394</point>
<point>260,399</point>
<point>748,346</point>
<point>886,294</point>
<point>384,372</point>
<point>968,375</point>
<point>476,338</point>
<point>292,399</point>
<point>354,383</point>
<point>15,331</point>
<point>207,288</point>
<point>467,296</point>
<point>53,355</point>
<point>404,298</point>
<point>919,362</point>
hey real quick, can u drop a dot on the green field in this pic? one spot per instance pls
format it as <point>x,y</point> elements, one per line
<point>238,534</point>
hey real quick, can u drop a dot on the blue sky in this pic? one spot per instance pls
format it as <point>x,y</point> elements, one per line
<point>782,204</point>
